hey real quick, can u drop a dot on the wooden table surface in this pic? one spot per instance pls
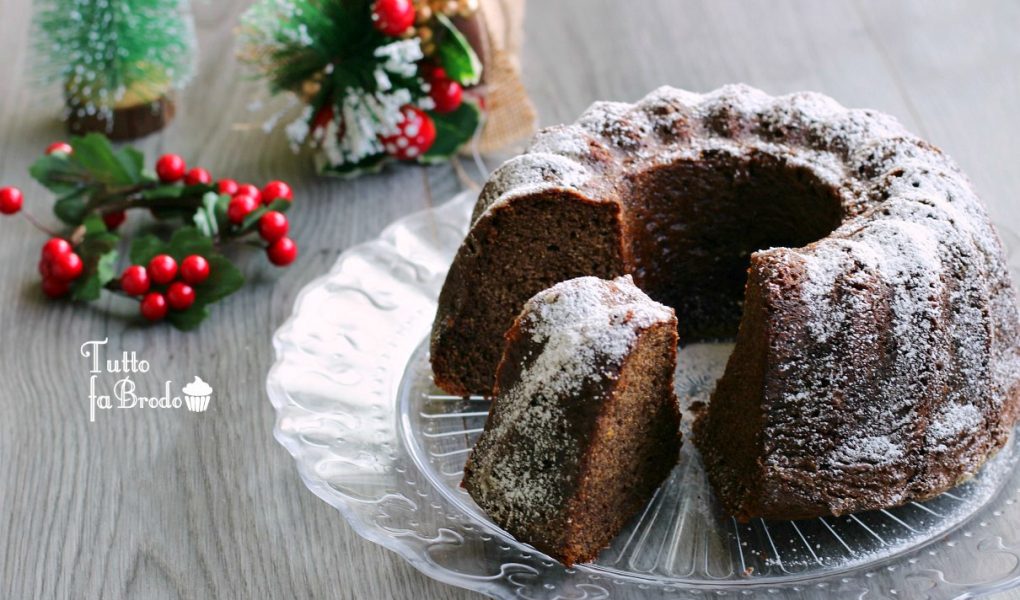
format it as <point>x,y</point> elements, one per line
<point>165,504</point>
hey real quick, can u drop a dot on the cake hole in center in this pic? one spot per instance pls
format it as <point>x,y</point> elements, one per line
<point>695,223</point>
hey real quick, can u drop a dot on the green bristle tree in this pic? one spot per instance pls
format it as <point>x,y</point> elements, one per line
<point>116,60</point>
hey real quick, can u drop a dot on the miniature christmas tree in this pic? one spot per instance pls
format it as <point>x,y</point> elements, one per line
<point>117,61</point>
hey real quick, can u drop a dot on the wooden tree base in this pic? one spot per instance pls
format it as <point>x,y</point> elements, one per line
<point>126,123</point>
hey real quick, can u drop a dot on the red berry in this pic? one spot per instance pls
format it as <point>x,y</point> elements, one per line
<point>432,72</point>
<point>392,17</point>
<point>162,269</point>
<point>240,207</point>
<point>321,119</point>
<point>135,280</point>
<point>67,267</point>
<point>277,190</point>
<point>247,189</point>
<point>55,288</point>
<point>227,186</point>
<point>180,295</point>
<point>196,176</point>
<point>415,135</point>
<point>447,94</point>
<point>170,168</point>
<point>44,268</point>
<point>114,219</point>
<point>273,225</point>
<point>282,252</point>
<point>59,148</point>
<point>55,247</point>
<point>10,200</point>
<point>194,269</point>
<point>153,306</point>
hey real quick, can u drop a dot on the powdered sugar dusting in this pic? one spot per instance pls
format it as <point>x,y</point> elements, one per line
<point>873,449</point>
<point>529,174</point>
<point>908,303</point>
<point>585,322</point>
<point>952,421</point>
<point>584,329</point>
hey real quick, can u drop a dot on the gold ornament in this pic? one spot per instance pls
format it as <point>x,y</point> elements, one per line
<point>310,88</point>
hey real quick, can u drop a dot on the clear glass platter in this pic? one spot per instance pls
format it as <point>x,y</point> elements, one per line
<point>374,438</point>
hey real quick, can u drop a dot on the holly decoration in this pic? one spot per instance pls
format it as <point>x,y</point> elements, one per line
<point>381,79</point>
<point>176,267</point>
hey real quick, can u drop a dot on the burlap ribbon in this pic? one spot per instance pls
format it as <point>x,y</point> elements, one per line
<point>510,115</point>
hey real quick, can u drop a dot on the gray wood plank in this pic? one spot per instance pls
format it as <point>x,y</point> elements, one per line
<point>155,505</point>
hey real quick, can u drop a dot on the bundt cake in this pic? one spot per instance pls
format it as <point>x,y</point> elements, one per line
<point>876,359</point>
<point>585,422</point>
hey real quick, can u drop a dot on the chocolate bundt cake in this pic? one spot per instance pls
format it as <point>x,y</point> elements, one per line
<point>877,358</point>
<point>585,422</point>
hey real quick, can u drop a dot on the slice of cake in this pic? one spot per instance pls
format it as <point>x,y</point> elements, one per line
<point>584,425</point>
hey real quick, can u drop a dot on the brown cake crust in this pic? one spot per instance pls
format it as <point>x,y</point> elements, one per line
<point>879,325</point>
<point>585,422</point>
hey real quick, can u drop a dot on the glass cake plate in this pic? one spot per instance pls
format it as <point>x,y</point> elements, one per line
<point>374,438</point>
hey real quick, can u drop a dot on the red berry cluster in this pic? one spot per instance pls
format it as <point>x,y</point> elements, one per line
<point>74,262</point>
<point>416,131</point>
<point>273,225</point>
<point>173,293</point>
<point>59,266</point>
<point>445,92</point>
<point>245,199</point>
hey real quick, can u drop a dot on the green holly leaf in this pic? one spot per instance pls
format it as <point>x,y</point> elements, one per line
<point>186,320</point>
<point>205,217</point>
<point>456,55</point>
<point>453,130</point>
<point>98,251</point>
<point>59,174</point>
<point>280,205</point>
<point>89,286</point>
<point>187,241</point>
<point>104,165</point>
<point>184,242</point>
<point>224,279</point>
<point>144,248</point>
<point>70,208</point>
<point>163,213</point>
<point>204,224</point>
<point>133,163</point>
<point>163,192</point>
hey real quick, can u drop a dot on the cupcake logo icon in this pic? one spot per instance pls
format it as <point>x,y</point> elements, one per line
<point>197,395</point>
